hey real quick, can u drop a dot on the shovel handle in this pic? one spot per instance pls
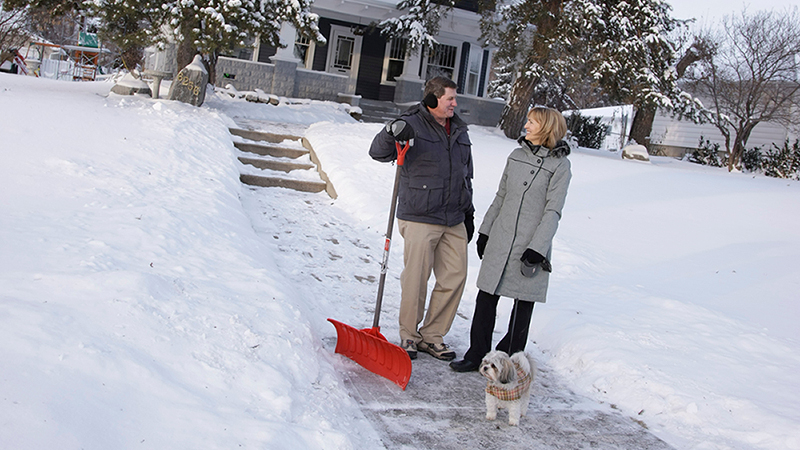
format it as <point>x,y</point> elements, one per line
<point>401,156</point>
<point>401,152</point>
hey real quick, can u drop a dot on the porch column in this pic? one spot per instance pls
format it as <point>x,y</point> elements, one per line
<point>285,63</point>
<point>409,85</point>
<point>288,35</point>
<point>411,66</point>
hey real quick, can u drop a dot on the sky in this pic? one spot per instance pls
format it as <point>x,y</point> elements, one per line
<point>714,10</point>
<point>149,300</point>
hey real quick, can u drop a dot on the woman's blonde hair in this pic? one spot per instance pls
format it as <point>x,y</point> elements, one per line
<point>552,126</point>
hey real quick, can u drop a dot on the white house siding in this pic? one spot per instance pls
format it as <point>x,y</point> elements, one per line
<point>672,137</point>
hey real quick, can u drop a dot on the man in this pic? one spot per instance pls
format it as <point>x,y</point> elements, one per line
<point>434,214</point>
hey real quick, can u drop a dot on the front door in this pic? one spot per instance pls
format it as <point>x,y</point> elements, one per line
<point>344,53</point>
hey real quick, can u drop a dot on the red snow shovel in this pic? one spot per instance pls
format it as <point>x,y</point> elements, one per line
<point>368,346</point>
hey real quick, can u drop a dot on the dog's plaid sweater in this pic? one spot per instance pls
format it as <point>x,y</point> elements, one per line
<point>510,394</point>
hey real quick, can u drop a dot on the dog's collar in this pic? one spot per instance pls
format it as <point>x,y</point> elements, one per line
<point>515,393</point>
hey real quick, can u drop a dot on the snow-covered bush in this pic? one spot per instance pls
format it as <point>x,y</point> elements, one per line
<point>782,162</point>
<point>751,159</point>
<point>777,162</point>
<point>708,154</point>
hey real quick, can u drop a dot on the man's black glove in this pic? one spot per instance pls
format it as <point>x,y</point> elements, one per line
<point>481,243</point>
<point>400,130</point>
<point>469,223</point>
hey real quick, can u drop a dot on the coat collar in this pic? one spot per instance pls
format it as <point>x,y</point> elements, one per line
<point>560,150</point>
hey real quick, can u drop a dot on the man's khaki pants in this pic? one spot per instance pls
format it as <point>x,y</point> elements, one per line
<point>427,248</point>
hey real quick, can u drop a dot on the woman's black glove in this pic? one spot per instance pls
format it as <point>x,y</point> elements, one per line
<point>469,224</point>
<point>481,243</point>
<point>532,257</point>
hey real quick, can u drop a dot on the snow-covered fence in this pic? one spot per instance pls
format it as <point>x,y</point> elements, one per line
<point>55,69</point>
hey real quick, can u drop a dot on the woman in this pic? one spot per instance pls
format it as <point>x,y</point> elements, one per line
<point>516,236</point>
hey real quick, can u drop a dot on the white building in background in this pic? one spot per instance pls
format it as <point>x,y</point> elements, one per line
<point>673,137</point>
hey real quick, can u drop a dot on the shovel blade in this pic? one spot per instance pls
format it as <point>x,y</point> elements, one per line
<point>371,350</point>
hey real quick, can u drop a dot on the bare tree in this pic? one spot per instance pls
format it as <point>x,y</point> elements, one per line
<point>752,77</point>
<point>13,31</point>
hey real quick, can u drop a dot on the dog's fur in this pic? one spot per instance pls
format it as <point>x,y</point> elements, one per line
<point>500,371</point>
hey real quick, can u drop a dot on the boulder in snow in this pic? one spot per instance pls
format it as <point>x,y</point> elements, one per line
<point>129,85</point>
<point>635,151</point>
<point>190,84</point>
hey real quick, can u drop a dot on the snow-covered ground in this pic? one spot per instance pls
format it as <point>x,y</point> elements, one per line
<point>149,300</point>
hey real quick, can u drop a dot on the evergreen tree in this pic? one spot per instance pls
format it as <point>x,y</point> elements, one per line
<point>210,27</point>
<point>582,53</point>
<point>534,40</point>
<point>131,25</point>
<point>633,58</point>
<point>419,24</point>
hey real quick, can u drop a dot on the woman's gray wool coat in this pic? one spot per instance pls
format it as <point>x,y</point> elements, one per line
<point>524,214</point>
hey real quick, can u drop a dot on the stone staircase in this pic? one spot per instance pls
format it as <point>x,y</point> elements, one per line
<point>278,163</point>
<point>378,112</point>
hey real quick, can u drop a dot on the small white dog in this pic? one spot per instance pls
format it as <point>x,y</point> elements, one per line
<point>508,383</point>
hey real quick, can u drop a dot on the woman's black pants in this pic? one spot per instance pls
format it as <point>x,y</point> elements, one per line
<point>483,320</point>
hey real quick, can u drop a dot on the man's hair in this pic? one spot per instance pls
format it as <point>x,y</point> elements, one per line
<point>437,85</point>
<point>552,126</point>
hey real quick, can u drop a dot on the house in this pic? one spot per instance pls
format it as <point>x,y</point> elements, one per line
<point>358,63</point>
<point>671,136</point>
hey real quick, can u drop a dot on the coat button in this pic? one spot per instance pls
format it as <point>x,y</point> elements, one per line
<point>424,186</point>
<point>524,183</point>
<point>532,172</point>
<point>538,160</point>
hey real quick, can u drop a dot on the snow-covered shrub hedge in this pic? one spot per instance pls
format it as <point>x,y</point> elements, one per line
<point>782,162</point>
<point>778,162</point>
<point>708,154</point>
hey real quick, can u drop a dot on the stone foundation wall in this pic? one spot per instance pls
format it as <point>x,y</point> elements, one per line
<point>245,75</point>
<point>283,78</point>
<point>319,85</point>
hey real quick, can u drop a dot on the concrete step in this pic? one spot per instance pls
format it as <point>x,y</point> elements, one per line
<point>378,112</point>
<point>270,150</point>
<point>377,118</point>
<point>297,185</point>
<point>269,164</point>
<point>263,136</point>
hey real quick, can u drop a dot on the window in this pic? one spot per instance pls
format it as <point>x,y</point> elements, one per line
<point>395,59</point>
<point>343,58</point>
<point>303,50</point>
<point>441,61</point>
<point>244,52</point>
<point>474,70</point>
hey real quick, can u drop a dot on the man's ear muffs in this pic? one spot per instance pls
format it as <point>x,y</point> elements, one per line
<point>430,101</point>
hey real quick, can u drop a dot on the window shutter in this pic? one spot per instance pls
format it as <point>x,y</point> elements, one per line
<point>462,68</point>
<point>484,68</point>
